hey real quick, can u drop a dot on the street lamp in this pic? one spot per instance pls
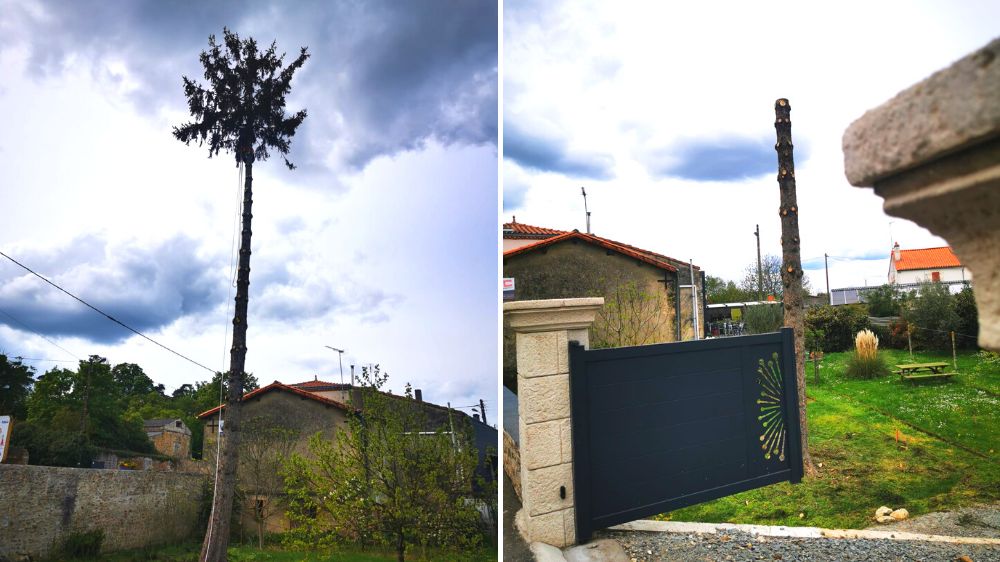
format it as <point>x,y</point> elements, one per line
<point>340,356</point>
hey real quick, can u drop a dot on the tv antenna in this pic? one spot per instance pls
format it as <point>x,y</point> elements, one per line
<point>340,355</point>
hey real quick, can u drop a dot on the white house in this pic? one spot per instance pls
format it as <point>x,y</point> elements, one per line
<point>926,264</point>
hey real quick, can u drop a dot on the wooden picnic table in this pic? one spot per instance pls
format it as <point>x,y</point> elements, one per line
<point>921,371</point>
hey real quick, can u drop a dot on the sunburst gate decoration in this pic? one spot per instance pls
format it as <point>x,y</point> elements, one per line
<point>771,390</point>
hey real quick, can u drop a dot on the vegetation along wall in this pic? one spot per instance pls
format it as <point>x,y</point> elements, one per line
<point>41,506</point>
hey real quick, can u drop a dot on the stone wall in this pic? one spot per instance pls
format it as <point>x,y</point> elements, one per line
<point>512,463</point>
<point>41,505</point>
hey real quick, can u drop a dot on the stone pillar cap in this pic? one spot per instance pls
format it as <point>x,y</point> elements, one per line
<point>552,314</point>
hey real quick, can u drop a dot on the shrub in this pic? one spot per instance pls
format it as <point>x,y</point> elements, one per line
<point>968,318</point>
<point>838,324</point>
<point>932,316</point>
<point>865,362</point>
<point>814,340</point>
<point>883,301</point>
<point>763,318</point>
<point>83,544</point>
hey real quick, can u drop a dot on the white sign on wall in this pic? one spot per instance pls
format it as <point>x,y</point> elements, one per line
<point>4,436</point>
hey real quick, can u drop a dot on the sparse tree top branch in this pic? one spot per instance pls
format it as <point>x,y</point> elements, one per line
<point>242,109</point>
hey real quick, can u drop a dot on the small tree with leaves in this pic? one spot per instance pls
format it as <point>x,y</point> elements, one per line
<point>242,110</point>
<point>394,478</point>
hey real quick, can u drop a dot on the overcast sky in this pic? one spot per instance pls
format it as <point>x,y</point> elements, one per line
<point>382,243</point>
<point>665,112</point>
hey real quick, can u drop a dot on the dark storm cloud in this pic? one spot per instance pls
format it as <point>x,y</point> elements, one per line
<point>729,159</point>
<point>147,288</point>
<point>384,76</point>
<point>548,154</point>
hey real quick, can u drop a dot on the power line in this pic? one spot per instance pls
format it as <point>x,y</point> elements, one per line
<point>26,327</point>
<point>19,358</point>
<point>106,315</point>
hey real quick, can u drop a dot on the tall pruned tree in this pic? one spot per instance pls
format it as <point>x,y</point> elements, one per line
<point>791,262</point>
<point>242,110</point>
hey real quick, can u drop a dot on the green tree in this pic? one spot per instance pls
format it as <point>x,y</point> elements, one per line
<point>16,380</point>
<point>392,478</point>
<point>931,316</point>
<point>883,301</point>
<point>131,380</point>
<point>241,111</point>
<point>719,290</point>
<point>968,318</point>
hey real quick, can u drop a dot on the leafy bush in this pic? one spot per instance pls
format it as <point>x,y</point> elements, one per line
<point>814,340</point>
<point>838,324</point>
<point>932,316</point>
<point>83,544</point>
<point>866,363</point>
<point>883,301</point>
<point>968,318</point>
<point>763,318</point>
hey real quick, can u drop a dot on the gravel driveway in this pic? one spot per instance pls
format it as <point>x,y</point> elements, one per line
<point>735,545</point>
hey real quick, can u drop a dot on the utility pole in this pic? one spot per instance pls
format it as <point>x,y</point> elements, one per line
<point>791,267</point>
<point>760,273</point>
<point>584,191</point>
<point>694,301</point>
<point>340,359</point>
<point>482,410</point>
<point>826,265</point>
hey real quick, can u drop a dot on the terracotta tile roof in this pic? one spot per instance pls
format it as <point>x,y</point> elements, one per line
<point>274,386</point>
<point>927,258</point>
<point>318,384</point>
<point>516,230</point>
<point>652,258</point>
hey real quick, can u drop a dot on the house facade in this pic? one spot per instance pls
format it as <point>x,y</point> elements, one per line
<point>926,264</point>
<point>647,294</point>
<point>322,407</point>
<point>170,437</point>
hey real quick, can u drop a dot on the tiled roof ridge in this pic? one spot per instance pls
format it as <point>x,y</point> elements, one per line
<point>653,258</point>
<point>281,386</point>
<point>522,228</point>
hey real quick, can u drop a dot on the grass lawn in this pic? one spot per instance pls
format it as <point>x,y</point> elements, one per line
<point>243,553</point>
<point>946,456</point>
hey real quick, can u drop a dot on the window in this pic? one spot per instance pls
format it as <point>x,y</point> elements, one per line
<point>936,276</point>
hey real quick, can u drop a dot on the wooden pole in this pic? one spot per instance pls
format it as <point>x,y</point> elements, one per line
<point>791,268</point>
<point>954,357</point>
<point>909,342</point>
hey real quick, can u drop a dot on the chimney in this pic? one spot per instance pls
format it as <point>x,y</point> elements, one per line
<point>352,375</point>
<point>419,395</point>
<point>895,252</point>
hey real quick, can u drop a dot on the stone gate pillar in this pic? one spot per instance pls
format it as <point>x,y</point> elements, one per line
<point>543,330</point>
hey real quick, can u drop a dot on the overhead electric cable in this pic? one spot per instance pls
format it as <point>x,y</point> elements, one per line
<point>20,358</point>
<point>26,327</point>
<point>106,315</point>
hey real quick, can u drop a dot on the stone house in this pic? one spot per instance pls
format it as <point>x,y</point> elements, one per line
<point>170,437</point>
<point>647,294</point>
<point>323,407</point>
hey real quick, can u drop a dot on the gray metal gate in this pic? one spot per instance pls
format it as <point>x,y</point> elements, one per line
<point>660,427</point>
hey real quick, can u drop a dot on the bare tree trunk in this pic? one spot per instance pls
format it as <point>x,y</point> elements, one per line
<point>217,537</point>
<point>791,268</point>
